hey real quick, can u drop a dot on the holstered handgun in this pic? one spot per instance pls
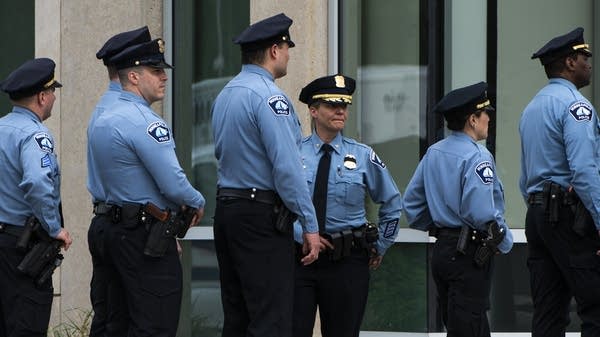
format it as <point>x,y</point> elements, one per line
<point>367,237</point>
<point>43,256</point>
<point>166,228</point>
<point>552,201</point>
<point>489,246</point>
<point>24,241</point>
<point>284,218</point>
<point>337,241</point>
<point>583,224</point>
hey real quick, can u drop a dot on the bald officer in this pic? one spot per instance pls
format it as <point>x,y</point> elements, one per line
<point>29,187</point>
<point>561,185</point>
<point>257,134</point>
<point>456,194</point>
<point>137,165</point>
<point>340,172</point>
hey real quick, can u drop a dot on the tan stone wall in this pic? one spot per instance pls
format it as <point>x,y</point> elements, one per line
<point>308,60</point>
<point>70,32</point>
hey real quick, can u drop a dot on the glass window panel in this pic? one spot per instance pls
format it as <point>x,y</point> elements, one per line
<point>398,291</point>
<point>21,41</point>
<point>205,59</point>
<point>215,60</point>
<point>519,78</point>
<point>209,59</point>
<point>381,48</point>
<point>207,314</point>
<point>511,307</point>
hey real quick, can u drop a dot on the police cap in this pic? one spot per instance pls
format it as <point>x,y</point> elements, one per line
<point>264,33</point>
<point>464,101</point>
<point>334,89</point>
<point>562,46</point>
<point>117,43</point>
<point>151,53</point>
<point>30,78</point>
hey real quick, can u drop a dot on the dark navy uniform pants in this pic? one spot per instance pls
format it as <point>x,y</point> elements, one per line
<point>340,291</point>
<point>132,294</point>
<point>463,289</point>
<point>106,290</point>
<point>256,266</point>
<point>562,265</point>
<point>24,308</point>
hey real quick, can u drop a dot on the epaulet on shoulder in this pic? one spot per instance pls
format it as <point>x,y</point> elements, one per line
<point>354,142</point>
<point>483,149</point>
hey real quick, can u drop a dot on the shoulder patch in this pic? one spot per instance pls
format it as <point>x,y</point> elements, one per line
<point>279,105</point>
<point>581,111</point>
<point>44,141</point>
<point>375,159</point>
<point>159,131</point>
<point>485,172</point>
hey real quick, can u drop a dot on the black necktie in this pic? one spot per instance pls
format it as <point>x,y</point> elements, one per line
<point>320,191</point>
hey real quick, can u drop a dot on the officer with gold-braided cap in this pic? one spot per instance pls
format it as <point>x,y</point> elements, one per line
<point>340,172</point>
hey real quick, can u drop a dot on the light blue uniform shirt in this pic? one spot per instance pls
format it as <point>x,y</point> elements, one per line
<point>559,143</point>
<point>135,157</point>
<point>110,97</point>
<point>30,176</point>
<point>257,135</point>
<point>455,184</point>
<point>355,170</point>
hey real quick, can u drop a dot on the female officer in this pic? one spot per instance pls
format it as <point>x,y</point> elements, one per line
<point>456,195</point>
<point>339,172</point>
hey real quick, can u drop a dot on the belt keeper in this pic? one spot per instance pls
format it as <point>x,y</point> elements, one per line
<point>116,214</point>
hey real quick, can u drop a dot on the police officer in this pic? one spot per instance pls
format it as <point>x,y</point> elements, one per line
<point>113,46</point>
<point>456,194</point>
<point>257,134</point>
<point>561,185</point>
<point>101,288</point>
<point>29,187</point>
<point>137,167</point>
<point>340,172</point>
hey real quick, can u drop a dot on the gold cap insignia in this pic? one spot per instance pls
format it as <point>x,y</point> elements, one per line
<point>161,46</point>
<point>483,104</point>
<point>49,83</point>
<point>334,98</point>
<point>340,82</point>
<point>584,46</point>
